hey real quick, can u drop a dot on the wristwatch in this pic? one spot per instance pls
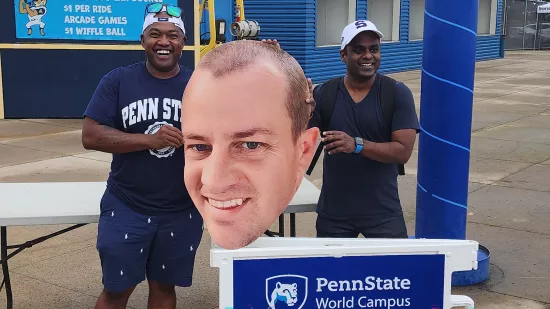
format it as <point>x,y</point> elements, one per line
<point>358,144</point>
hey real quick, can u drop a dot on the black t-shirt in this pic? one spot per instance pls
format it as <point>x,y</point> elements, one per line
<point>353,185</point>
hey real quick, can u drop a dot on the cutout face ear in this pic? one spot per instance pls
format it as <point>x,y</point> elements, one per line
<point>307,146</point>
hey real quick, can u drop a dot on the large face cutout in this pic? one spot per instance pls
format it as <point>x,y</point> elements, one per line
<point>242,165</point>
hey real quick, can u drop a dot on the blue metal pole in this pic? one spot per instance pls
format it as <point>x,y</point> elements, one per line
<point>448,69</point>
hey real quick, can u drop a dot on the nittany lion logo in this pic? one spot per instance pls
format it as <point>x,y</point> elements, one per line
<point>163,152</point>
<point>286,291</point>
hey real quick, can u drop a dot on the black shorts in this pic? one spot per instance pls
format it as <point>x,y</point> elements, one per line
<point>387,227</point>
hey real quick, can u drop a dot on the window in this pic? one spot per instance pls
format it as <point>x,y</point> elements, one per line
<point>486,22</point>
<point>416,23</point>
<point>385,15</point>
<point>486,18</point>
<point>332,17</point>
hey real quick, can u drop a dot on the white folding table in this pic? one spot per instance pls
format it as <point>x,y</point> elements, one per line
<point>78,203</point>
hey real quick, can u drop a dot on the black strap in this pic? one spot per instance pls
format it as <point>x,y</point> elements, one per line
<point>326,107</point>
<point>387,98</point>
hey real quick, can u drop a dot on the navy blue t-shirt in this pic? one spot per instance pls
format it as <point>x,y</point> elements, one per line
<point>354,185</point>
<point>132,100</point>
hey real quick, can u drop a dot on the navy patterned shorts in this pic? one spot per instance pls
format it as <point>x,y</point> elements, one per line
<point>133,246</point>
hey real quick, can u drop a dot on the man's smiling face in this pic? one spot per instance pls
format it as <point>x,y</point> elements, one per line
<point>242,164</point>
<point>163,43</point>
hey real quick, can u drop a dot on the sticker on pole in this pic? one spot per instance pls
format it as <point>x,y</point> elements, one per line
<point>390,282</point>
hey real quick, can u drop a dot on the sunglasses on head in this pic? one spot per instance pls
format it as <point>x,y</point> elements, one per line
<point>172,10</point>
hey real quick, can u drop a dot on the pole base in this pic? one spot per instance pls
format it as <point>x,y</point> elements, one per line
<point>465,278</point>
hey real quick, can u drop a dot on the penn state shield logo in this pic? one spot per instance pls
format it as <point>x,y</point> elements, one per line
<point>286,291</point>
<point>166,151</point>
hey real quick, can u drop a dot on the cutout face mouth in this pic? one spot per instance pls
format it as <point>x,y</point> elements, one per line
<point>227,204</point>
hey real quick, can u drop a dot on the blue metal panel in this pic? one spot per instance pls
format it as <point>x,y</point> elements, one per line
<point>404,20</point>
<point>293,24</point>
<point>361,10</point>
<point>499,17</point>
<point>488,47</point>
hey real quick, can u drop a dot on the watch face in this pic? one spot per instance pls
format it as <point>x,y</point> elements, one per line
<point>358,141</point>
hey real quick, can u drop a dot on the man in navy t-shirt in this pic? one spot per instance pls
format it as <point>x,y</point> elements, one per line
<point>359,193</point>
<point>148,226</point>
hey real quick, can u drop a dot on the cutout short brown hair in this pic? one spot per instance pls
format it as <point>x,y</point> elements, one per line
<point>240,54</point>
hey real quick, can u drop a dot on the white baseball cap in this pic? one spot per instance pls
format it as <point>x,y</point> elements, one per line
<point>356,27</point>
<point>151,19</point>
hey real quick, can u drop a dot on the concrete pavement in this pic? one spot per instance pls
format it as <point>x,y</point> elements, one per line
<point>508,202</point>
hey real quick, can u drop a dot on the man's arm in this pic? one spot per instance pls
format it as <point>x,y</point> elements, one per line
<point>399,150</point>
<point>22,7</point>
<point>404,129</point>
<point>96,136</point>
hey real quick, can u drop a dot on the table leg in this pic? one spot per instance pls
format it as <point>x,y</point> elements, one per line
<point>292,225</point>
<point>5,270</point>
<point>5,257</point>
<point>282,225</point>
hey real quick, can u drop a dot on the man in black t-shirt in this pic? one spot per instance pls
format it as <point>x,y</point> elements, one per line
<point>362,151</point>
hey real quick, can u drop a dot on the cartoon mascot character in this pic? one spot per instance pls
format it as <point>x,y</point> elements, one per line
<point>35,9</point>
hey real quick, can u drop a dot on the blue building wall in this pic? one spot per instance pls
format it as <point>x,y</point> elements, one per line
<point>293,24</point>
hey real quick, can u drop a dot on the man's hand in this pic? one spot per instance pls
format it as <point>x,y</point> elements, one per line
<point>338,141</point>
<point>272,42</point>
<point>166,136</point>
<point>310,100</point>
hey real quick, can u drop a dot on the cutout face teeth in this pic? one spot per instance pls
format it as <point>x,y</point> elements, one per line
<point>163,52</point>
<point>225,204</point>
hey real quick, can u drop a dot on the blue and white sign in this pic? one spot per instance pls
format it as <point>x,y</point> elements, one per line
<point>115,20</point>
<point>390,282</point>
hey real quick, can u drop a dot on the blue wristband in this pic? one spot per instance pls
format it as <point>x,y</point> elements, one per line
<point>358,148</point>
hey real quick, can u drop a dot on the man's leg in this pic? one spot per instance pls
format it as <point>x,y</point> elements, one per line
<point>123,242</point>
<point>334,228</point>
<point>108,300</point>
<point>161,295</point>
<point>172,256</point>
<point>389,227</point>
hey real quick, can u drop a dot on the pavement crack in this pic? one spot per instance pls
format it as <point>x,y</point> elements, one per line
<point>41,135</point>
<point>509,228</point>
<point>510,93</point>
<point>499,273</point>
<point>53,124</point>
<point>54,284</point>
<point>56,256</point>
<point>79,156</point>
<point>519,297</point>
<point>505,185</point>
